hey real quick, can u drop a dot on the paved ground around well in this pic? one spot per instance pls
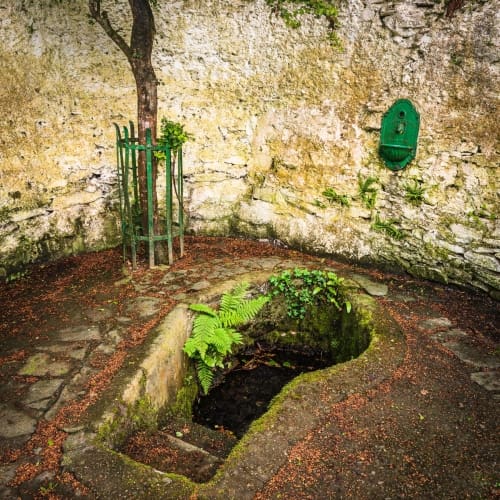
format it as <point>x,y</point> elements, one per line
<point>67,328</point>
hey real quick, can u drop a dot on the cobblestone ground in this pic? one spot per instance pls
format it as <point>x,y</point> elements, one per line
<point>67,328</point>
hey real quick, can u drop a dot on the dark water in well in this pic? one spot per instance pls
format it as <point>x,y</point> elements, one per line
<point>245,393</point>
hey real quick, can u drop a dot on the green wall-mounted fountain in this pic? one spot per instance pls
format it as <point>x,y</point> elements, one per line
<point>399,134</point>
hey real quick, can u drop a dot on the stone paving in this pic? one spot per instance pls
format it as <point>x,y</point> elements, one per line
<point>64,363</point>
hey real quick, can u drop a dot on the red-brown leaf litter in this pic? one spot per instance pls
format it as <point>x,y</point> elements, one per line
<point>426,424</point>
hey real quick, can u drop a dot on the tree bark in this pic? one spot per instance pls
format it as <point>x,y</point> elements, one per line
<point>141,48</point>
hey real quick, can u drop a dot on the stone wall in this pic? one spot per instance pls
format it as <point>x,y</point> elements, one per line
<point>279,117</point>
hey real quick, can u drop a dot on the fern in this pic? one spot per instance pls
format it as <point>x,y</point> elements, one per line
<point>213,335</point>
<point>367,190</point>
<point>333,197</point>
<point>388,227</point>
<point>242,312</point>
<point>414,192</point>
<point>205,376</point>
<point>232,301</point>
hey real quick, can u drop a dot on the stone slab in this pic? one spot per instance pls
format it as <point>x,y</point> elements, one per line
<point>200,285</point>
<point>472,355</point>
<point>489,380</point>
<point>454,334</point>
<point>75,353</point>
<point>42,364</point>
<point>14,423</point>
<point>42,390</point>
<point>7,473</point>
<point>79,333</point>
<point>99,314</point>
<point>371,287</point>
<point>144,306</point>
<point>435,324</point>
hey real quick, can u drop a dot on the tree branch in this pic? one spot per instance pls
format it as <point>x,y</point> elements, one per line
<point>101,16</point>
<point>452,6</point>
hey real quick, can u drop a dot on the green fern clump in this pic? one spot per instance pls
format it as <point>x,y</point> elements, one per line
<point>214,334</point>
<point>414,192</point>
<point>388,227</point>
<point>333,197</point>
<point>368,191</point>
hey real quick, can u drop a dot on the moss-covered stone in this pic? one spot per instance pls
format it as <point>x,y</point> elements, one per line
<point>186,396</point>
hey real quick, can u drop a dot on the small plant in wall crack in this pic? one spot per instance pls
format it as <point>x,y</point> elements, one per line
<point>483,212</point>
<point>291,11</point>
<point>214,336</point>
<point>388,227</point>
<point>414,192</point>
<point>368,190</point>
<point>333,197</point>
<point>318,203</point>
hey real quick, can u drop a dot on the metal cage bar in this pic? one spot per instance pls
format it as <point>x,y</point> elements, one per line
<point>156,229</point>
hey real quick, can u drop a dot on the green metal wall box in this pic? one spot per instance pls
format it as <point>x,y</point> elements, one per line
<point>399,134</point>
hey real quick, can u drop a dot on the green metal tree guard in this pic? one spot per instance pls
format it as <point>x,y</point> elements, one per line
<point>127,155</point>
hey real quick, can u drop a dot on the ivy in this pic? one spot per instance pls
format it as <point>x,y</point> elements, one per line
<point>302,288</point>
<point>291,11</point>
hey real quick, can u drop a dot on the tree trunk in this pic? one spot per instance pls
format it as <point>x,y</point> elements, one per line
<point>141,45</point>
<point>146,118</point>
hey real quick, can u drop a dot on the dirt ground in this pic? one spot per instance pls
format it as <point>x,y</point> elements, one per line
<point>426,432</point>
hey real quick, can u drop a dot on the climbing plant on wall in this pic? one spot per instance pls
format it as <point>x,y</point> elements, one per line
<point>292,10</point>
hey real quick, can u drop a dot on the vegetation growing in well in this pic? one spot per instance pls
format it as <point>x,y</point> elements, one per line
<point>214,335</point>
<point>303,287</point>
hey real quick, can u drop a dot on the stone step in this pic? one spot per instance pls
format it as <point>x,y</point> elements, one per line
<point>207,464</point>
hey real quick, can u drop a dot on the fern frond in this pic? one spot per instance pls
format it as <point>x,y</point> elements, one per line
<point>204,325</point>
<point>205,376</point>
<point>223,339</point>
<point>196,347</point>
<point>231,301</point>
<point>213,359</point>
<point>245,312</point>
<point>203,308</point>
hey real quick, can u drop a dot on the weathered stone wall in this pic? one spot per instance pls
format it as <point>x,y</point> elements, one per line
<point>279,116</point>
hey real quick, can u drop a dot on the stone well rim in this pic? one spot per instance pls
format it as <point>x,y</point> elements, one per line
<point>265,446</point>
